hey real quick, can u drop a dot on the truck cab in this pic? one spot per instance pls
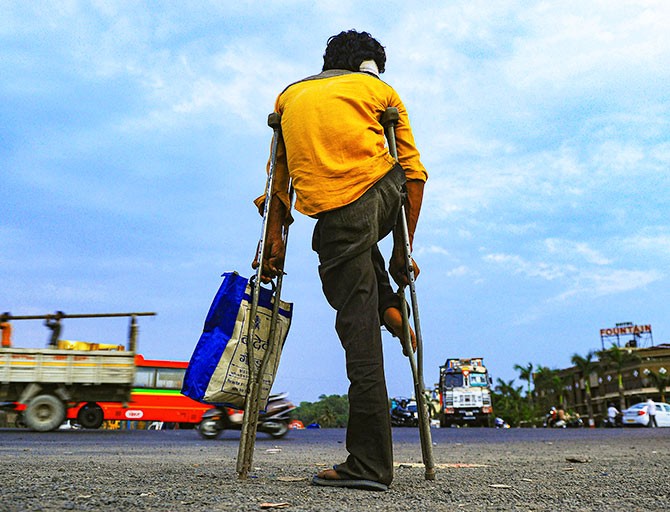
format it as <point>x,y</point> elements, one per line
<point>465,393</point>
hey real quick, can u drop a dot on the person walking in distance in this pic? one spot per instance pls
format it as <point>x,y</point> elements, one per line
<point>651,412</point>
<point>334,152</point>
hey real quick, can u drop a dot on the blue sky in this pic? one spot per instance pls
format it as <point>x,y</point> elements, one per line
<point>133,139</point>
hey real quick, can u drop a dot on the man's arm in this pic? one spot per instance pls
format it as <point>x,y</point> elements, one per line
<point>412,209</point>
<point>278,219</point>
<point>413,206</point>
<point>275,248</point>
<point>415,172</point>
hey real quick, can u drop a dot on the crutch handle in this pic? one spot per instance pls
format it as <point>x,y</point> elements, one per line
<point>390,115</point>
<point>274,121</point>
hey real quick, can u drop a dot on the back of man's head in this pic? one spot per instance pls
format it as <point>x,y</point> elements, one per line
<point>348,49</point>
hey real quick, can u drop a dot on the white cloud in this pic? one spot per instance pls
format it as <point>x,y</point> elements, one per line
<point>600,283</point>
<point>661,153</point>
<point>590,281</point>
<point>432,249</point>
<point>614,157</point>
<point>231,85</point>
<point>653,245</point>
<point>459,271</point>
<point>221,78</point>
<point>622,280</point>
<point>576,45</point>
<point>518,265</point>
<point>568,249</point>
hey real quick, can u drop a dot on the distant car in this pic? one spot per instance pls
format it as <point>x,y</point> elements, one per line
<point>636,415</point>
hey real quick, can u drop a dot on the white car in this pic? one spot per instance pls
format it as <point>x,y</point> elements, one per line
<point>637,415</point>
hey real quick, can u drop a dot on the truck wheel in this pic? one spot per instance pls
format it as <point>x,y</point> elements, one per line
<point>90,416</point>
<point>44,413</point>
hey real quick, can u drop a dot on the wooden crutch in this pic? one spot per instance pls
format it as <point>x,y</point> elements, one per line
<point>388,120</point>
<point>252,403</point>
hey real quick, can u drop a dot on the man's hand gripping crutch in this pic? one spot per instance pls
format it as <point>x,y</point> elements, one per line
<point>269,264</point>
<point>404,271</point>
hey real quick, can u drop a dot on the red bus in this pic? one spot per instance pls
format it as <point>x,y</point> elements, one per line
<point>156,396</point>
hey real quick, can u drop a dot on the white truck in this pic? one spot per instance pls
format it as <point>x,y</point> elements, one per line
<point>465,393</point>
<point>41,384</point>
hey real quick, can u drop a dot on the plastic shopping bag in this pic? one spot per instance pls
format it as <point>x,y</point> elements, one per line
<point>218,372</point>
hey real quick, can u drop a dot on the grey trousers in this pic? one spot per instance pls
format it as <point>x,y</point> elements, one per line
<point>356,284</point>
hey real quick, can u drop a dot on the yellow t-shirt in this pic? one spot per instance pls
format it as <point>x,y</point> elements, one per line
<point>333,145</point>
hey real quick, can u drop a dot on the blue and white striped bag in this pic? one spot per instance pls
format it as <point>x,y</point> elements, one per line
<point>218,372</point>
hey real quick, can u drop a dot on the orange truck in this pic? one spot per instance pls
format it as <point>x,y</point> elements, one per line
<point>44,383</point>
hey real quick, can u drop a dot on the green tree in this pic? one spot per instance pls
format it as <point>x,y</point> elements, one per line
<point>617,359</point>
<point>330,411</point>
<point>586,366</point>
<point>557,387</point>
<point>660,380</point>
<point>526,373</point>
<point>507,401</point>
<point>549,389</point>
<point>543,388</point>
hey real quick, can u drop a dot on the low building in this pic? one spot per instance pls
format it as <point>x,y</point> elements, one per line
<point>635,372</point>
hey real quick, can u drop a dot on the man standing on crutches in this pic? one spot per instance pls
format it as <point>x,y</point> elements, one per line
<point>333,151</point>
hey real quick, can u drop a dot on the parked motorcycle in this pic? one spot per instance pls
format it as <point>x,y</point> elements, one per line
<point>575,422</point>
<point>404,413</point>
<point>556,418</point>
<point>274,420</point>
<point>551,419</point>
<point>500,423</point>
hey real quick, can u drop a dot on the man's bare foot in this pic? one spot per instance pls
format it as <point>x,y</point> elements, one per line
<point>331,478</point>
<point>393,322</point>
<point>328,474</point>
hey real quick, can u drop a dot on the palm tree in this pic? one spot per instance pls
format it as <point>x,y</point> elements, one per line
<point>617,358</point>
<point>508,389</point>
<point>586,366</point>
<point>660,379</point>
<point>509,401</point>
<point>526,373</point>
<point>558,387</point>
<point>543,386</point>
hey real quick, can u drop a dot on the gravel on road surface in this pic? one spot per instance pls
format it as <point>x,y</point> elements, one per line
<point>477,469</point>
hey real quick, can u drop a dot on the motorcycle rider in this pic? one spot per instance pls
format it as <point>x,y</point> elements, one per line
<point>561,419</point>
<point>556,417</point>
<point>550,418</point>
<point>274,420</point>
<point>613,415</point>
<point>401,415</point>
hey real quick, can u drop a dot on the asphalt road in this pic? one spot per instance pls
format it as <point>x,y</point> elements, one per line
<point>477,469</point>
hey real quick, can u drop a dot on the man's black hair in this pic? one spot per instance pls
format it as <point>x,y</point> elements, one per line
<point>348,49</point>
